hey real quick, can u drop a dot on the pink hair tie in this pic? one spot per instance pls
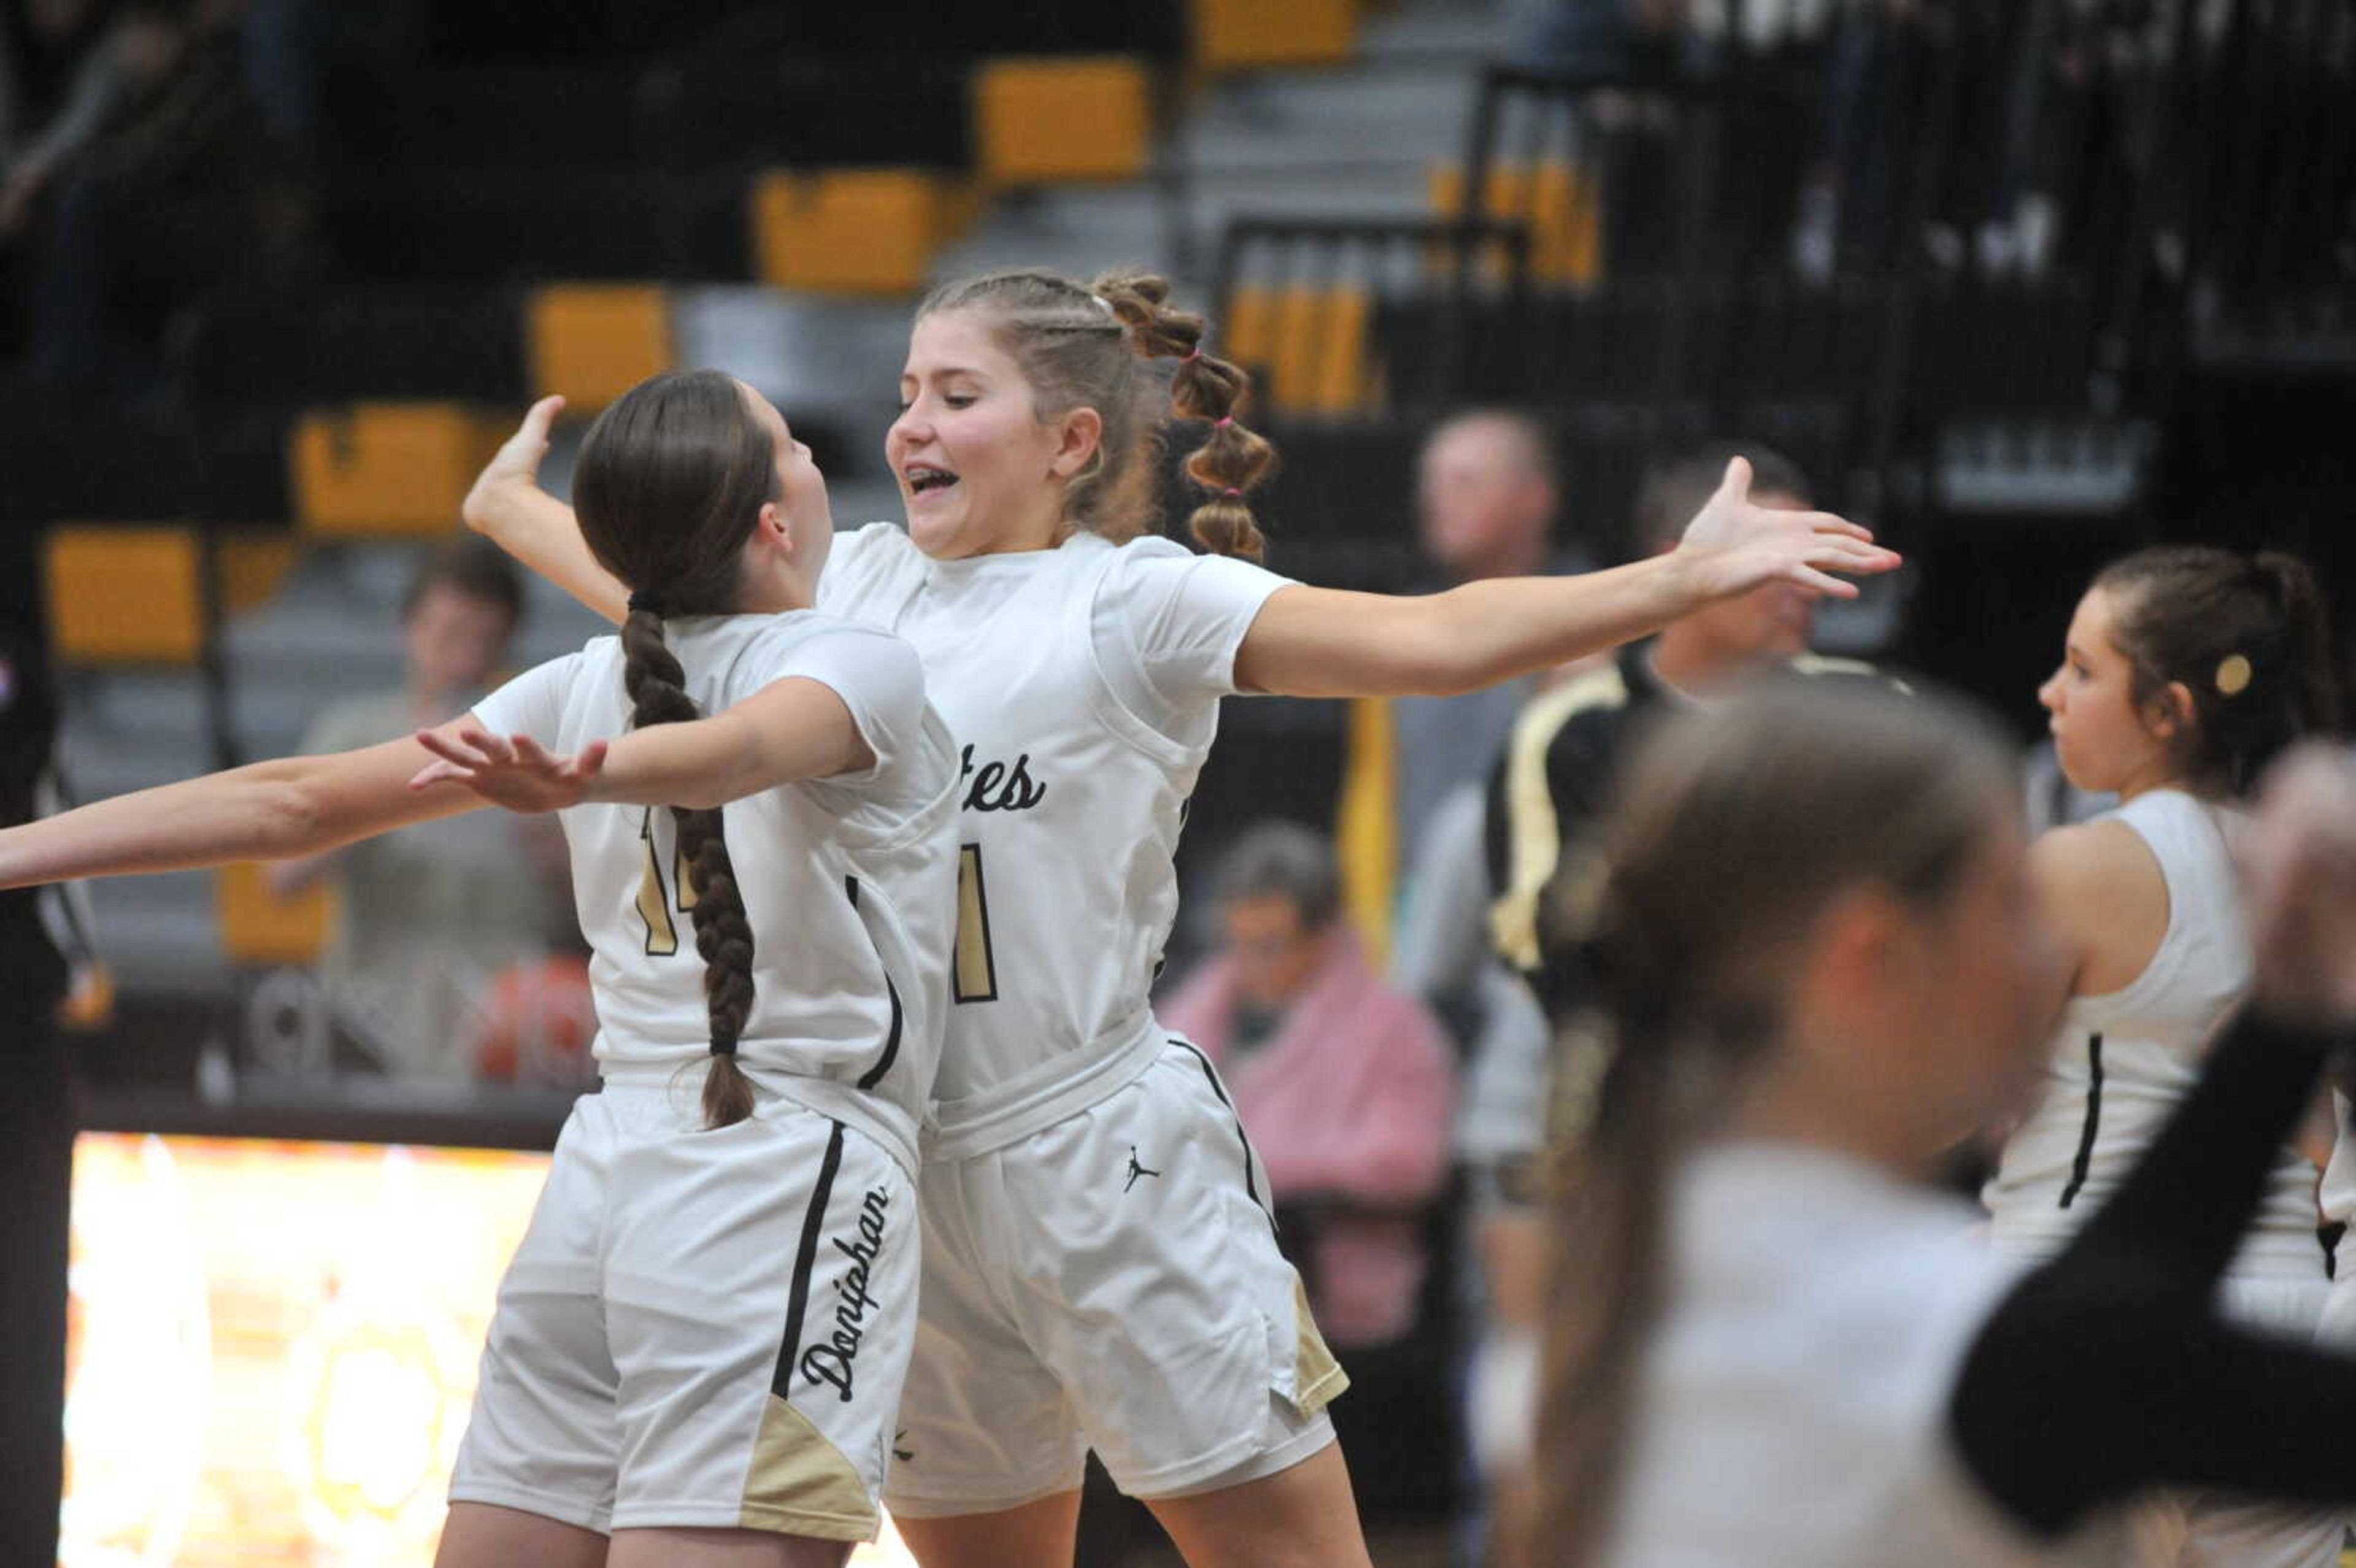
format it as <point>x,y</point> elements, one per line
<point>1231,490</point>
<point>1192,354</point>
<point>1223,423</point>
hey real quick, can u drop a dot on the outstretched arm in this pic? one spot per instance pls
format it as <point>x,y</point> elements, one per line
<point>790,729</point>
<point>508,506</point>
<point>1318,641</point>
<point>293,806</point>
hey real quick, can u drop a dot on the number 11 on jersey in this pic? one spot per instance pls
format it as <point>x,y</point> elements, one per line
<point>976,963</point>
<point>654,900</point>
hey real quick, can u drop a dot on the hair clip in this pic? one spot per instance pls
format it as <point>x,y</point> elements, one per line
<point>2233,673</point>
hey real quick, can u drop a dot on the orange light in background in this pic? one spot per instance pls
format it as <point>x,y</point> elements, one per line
<point>272,1346</point>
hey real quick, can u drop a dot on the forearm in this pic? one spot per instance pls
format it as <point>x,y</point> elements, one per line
<point>698,767</point>
<point>542,532</point>
<point>1507,627</point>
<point>300,873</point>
<point>248,814</point>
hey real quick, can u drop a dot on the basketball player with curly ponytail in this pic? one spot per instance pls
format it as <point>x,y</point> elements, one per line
<point>1080,660</point>
<point>698,1349</point>
<point>2186,671</point>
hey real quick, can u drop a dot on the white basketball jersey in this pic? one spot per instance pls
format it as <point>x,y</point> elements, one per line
<point>1081,684</point>
<point>848,882</point>
<point>1791,1409</point>
<point>2123,1061</point>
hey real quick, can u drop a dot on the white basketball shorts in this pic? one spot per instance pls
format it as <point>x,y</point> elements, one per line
<point>700,1328</point>
<point>1111,1282</point>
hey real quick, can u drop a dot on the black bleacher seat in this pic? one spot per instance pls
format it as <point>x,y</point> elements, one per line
<point>343,344</point>
<point>706,113</point>
<point>443,227</point>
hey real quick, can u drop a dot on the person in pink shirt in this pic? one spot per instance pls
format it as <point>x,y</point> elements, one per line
<point>1346,1084</point>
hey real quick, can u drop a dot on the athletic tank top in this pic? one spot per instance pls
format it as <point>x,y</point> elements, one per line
<point>847,881</point>
<point>2122,1060</point>
<point>1071,802</point>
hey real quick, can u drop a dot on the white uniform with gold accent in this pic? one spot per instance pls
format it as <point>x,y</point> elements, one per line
<point>1100,1270</point>
<point>712,1328</point>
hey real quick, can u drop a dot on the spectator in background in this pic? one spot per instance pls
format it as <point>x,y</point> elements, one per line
<point>1346,1084</point>
<point>432,915</point>
<point>159,180</point>
<point>1485,498</point>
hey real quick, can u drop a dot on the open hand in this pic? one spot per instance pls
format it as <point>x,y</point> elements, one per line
<point>2298,861</point>
<point>515,772</point>
<point>515,464</point>
<point>1735,545</point>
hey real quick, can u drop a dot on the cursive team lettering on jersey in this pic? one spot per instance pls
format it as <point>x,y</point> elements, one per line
<point>997,786</point>
<point>831,1360</point>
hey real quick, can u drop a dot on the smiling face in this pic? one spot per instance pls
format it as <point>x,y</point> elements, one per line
<point>2106,738</point>
<point>980,471</point>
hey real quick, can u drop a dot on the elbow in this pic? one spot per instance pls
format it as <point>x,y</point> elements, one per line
<point>293,820</point>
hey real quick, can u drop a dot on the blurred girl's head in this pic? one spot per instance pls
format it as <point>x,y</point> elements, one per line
<point>1028,411</point>
<point>1810,899</point>
<point>2190,666</point>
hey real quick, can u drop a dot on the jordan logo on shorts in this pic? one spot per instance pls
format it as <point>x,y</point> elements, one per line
<point>1135,1169</point>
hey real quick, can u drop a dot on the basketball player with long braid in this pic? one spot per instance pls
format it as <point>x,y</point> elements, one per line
<point>698,1350</point>
<point>1079,661</point>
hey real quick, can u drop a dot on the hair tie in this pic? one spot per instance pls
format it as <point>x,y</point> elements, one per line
<point>1231,490</point>
<point>2233,673</point>
<point>1223,422</point>
<point>649,604</point>
<point>719,1049</point>
<point>1192,354</point>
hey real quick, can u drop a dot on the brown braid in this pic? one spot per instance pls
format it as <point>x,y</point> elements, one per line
<point>670,480</point>
<point>1233,460</point>
<point>1080,346</point>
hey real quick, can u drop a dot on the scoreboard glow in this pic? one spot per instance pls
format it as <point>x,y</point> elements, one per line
<point>273,1346</point>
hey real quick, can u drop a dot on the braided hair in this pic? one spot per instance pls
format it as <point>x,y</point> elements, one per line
<point>1078,345</point>
<point>672,479</point>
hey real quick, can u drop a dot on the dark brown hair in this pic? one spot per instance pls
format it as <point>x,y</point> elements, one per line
<point>1734,829</point>
<point>1078,345</point>
<point>1674,490</point>
<point>2187,612</point>
<point>670,480</point>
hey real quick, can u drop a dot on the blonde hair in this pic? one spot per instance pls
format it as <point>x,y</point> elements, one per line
<point>1080,346</point>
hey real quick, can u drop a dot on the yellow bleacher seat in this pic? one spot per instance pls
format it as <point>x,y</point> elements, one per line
<point>865,231</point>
<point>1038,121</point>
<point>1236,34</point>
<point>251,567</point>
<point>126,594</point>
<point>1307,344</point>
<point>593,342</point>
<point>261,929</point>
<point>389,469</point>
<point>1557,200</point>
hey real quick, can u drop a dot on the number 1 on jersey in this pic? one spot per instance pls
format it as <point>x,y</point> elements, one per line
<point>976,964</point>
<point>654,900</point>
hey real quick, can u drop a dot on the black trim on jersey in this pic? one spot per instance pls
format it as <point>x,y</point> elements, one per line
<point>2093,1120</point>
<point>1251,1183</point>
<point>805,1259</point>
<point>850,891</point>
<point>875,1074</point>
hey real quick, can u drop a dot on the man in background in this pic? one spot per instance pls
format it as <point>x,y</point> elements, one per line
<point>431,914</point>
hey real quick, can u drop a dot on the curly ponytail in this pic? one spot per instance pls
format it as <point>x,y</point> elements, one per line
<point>1080,345</point>
<point>1234,460</point>
<point>672,479</point>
